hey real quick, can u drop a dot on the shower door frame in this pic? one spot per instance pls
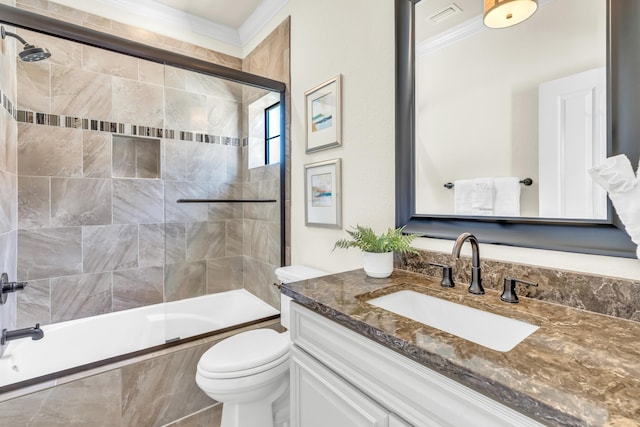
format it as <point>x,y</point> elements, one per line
<point>52,27</point>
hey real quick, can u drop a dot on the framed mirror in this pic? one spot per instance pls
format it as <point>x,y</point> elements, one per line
<point>424,165</point>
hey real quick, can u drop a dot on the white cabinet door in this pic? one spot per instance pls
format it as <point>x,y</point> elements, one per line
<point>320,398</point>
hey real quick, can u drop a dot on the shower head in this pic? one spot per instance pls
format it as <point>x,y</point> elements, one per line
<point>30,53</point>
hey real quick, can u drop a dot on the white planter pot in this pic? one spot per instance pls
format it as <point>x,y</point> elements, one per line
<point>378,265</point>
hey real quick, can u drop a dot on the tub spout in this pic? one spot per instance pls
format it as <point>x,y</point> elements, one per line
<point>35,333</point>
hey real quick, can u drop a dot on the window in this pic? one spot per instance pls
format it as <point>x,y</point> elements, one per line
<point>272,134</point>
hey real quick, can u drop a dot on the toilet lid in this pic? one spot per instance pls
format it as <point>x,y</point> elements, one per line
<point>244,351</point>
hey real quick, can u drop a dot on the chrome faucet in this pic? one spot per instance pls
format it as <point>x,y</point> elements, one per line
<point>476,280</point>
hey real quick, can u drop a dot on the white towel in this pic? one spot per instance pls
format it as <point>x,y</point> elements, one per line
<point>463,192</point>
<point>482,199</point>
<point>507,199</point>
<point>616,176</point>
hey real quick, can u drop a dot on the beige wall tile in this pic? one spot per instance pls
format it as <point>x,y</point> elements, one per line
<point>137,287</point>
<point>185,280</point>
<point>75,297</point>
<point>96,154</point>
<point>109,247</point>
<point>111,63</point>
<point>34,305</point>
<point>80,93</point>
<point>34,202</point>
<point>49,252</point>
<point>150,72</point>
<point>49,151</point>
<point>138,103</point>
<point>80,201</point>
<point>34,86</point>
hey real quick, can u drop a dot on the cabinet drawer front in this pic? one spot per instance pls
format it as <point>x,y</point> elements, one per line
<point>320,398</point>
<point>419,395</point>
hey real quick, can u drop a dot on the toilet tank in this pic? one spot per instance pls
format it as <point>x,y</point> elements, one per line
<point>290,274</point>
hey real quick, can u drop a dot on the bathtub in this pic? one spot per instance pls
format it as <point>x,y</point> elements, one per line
<point>72,344</point>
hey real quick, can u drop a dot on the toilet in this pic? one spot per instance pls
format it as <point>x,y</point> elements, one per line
<point>249,372</point>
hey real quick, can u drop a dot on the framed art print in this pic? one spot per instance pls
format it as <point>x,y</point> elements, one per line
<point>323,194</point>
<point>323,115</point>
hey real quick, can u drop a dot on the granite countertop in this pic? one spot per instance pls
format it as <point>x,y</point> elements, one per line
<point>578,369</point>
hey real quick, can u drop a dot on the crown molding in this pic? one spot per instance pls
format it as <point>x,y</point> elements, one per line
<point>459,32</point>
<point>265,11</point>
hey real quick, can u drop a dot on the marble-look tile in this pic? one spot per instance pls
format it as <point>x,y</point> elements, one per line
<point>96,154</point>
<point>75,297</point>
<point>137,287</point>
<point>209,417</point>
<point>150,72</point>
<point>224,274</point>
<point>213,86</point>
<point>80,201</point>
<point>80,93</point>
<point>33,86</point>
<point>176,212</point>
<point>9,205</point>
<point>75,404</point>
<point>206,162</point>
<point>49,252</point>
<point>138,102</point>
<point>205,240</point>
<point>185,280</point>
<point>175,78</point>
<point>175,160</point>
<point>257,235</point>
<point>274,245</point>
<point>11,145</point>
<point>151,245</point>
<point>138,201</point>
<point>233,238</point>
<point>49,151</point>
<point>123,157</point>
<point>147,158</point>
<point>110,247</point>
<point>34,304</point>
<point>234,164</point>
<point>5,121</point>
<point>105,62</point>
<point>259,278</point>
<point>221,211</point>
<point>163,389</point>
<point>266,189</point>
<point>271,57</point>
<point>224,117</point>
<point>176,242</point>
<point>185,110</point>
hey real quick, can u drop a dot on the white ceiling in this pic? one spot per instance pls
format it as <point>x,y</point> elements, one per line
<point>425,28</point>
<point>230,13</point>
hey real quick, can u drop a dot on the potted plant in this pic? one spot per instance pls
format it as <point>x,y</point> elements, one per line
<point>378,249</point>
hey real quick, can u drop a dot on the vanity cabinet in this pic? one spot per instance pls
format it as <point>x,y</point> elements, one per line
<point>340,378</point>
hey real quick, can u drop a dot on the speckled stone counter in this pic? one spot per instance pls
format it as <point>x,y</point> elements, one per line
<point>578,369</point>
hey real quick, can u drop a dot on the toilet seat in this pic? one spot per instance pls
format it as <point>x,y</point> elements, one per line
<point>245,354</point>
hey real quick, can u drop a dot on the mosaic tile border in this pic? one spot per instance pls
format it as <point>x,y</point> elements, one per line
<point>58,120</point>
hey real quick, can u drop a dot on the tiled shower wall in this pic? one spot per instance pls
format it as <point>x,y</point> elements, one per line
<point>76,170</point>
<point>8,178</point>
<point>94,239</point>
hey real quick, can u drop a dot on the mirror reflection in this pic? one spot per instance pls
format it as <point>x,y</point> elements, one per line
<point>495,107</point>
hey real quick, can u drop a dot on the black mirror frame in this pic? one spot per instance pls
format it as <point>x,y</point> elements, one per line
<point>623,129</point>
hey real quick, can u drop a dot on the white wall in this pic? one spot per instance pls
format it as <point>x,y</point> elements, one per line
<point>354,38</point>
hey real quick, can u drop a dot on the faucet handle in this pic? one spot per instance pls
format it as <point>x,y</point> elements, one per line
<point>509,291</point>
<point>447,279</point>
<point>6,286</point>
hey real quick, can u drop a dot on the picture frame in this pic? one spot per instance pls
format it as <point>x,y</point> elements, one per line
<point>323,115</point>
<point>323,194</point>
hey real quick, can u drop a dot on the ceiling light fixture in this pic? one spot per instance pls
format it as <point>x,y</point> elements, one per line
<point>505,13</point>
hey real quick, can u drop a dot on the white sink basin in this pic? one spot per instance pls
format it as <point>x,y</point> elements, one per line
<point>487,329</point>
